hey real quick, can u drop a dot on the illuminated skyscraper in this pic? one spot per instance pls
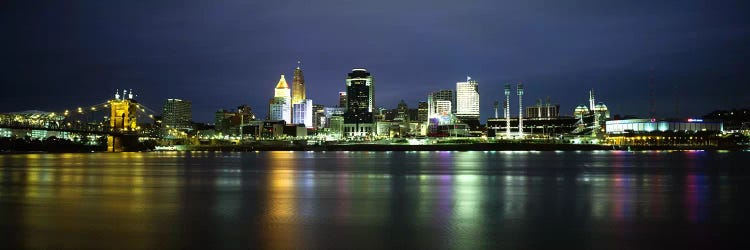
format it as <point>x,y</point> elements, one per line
<point>467,99</point>
<point>177,114</point>
<point>281,104</point>
<point>303,113</point>
<point>360,93</point>
<point>298,85</point>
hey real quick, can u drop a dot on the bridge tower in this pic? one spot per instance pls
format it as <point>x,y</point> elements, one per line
<point>122,120</point>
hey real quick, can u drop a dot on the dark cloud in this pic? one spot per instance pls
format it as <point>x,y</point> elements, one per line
<point>220,54</point>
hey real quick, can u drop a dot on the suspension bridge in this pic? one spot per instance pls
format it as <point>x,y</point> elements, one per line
<point>117,119</point>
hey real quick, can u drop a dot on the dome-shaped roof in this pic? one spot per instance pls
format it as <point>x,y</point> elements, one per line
<point>600,107</point>
<point>581,108</point>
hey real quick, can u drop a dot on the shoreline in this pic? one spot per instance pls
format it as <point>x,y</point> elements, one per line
<point>455,147</point>
<point>406,147</point>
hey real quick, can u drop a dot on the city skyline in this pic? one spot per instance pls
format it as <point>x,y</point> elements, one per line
<point>389,124</point>
<point>63,56</point>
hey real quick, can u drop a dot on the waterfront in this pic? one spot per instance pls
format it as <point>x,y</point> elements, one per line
<point>391,199</point>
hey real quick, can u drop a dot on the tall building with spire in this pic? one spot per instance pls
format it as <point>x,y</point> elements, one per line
<point>298,85</point>
<point>280,107</point>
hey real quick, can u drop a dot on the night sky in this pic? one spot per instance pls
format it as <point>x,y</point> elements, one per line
<point>221,53</point>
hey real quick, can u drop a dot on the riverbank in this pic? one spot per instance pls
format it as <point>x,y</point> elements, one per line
<point>448,147</point>
<point>286,146</point>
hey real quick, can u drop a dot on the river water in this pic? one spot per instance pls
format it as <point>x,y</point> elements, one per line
<point>361,200</point>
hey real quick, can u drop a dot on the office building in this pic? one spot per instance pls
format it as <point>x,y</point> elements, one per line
<point>402,112</point>
<point>360,93</point>
<point>336,126</point>
<point>440,103</point>
<point>303,113</point>
<point>222,121</point>
<point>177,114</point>
<point>467,103</point>
<point>331,111</point>
<point>467,99</point>
<point>280,107</point>
<point>234,122</point>
<point>342,99</point>
<point>319,117</point>
<point>422,112</point>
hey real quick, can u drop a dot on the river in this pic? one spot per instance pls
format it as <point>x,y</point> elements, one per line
<point>362,200</point>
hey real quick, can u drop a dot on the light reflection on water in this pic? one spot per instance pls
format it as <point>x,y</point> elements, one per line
<point>438,199</point>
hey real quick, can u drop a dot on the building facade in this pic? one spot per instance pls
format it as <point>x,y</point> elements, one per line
<point>651,132</point>
<point>177,114</point>
<point>319,117</point>
<point>440,103</point>
<point>336,126</point>
<point>402,112</point>
<point>222,121</point>
<point>298,85</point>
<point>234,122</point>
<point>280,107</point>
<point>342,99</point>
<point>422,112</point>
<point>467,99</point>
<point>648,125</point>
<point>543,110</point>
<point>360,93</point>
<point>303,113</point>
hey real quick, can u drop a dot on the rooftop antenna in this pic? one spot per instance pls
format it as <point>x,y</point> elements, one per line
<point>130,96</point>
<point>117,94</point>
<point>299,64</point>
